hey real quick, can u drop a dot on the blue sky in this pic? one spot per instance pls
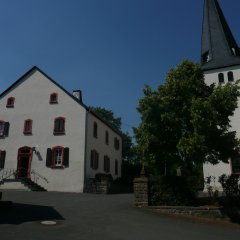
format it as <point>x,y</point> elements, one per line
<point>107,48</point>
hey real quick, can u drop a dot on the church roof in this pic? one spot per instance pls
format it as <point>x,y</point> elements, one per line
<point>219,48</point>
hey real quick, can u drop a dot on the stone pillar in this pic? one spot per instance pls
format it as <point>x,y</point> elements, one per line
<point>141,190</point>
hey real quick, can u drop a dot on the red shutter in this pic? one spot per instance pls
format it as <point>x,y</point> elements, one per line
<point>66,157</point>
<point>97,157</point>
<point>6,128</point>
<point>92,156</point>
<point>49,157</point>
<point>2,158</point>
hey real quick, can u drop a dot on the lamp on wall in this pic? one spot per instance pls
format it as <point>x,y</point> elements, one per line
<point>34,149</point>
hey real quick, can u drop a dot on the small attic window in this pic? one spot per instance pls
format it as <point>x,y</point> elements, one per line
<point>234,51</point>
<point>10,102</point>
<point>205,57</point>
<point>53,98</point>
<point>230,76</point>
<point>220,78</point>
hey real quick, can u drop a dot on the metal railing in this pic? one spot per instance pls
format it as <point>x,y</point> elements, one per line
<point>20,173</point>
<point>7,174</point>
<point>35,176</point>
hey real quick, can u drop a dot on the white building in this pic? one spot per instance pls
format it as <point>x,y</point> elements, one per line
<point>221,64</point>
<point>48,135</point>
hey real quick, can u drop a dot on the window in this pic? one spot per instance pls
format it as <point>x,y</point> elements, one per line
<point>95,130</point>
<point>116,144</point>
<point>94,159</point>
<point>4,128</point>
<point>10,102</point>
<point>59,126</point>
<point>57,157</point>
<point>230,76</point>
<point>27,126</point>
<point>220,78</point>
<point>116,167</point>
<point>236,166</point>
<point>107,137</point>
<point>205,57</point>
<point>53,98</point>
<point>2,159</point>
<point>106,166</point>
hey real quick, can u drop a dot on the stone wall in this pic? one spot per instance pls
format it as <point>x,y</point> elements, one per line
<point>141,191</point>
<point>93,186</point>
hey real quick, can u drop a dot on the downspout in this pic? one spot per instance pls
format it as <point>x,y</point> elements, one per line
<point>85,151</point>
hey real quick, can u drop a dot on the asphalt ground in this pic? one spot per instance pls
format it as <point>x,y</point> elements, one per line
<point>97,217</point>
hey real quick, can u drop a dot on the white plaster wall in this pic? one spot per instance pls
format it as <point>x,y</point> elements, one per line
<point>32,102</point>
<point>14,186</point>
<point>102,148</point>
<point>212,77</point>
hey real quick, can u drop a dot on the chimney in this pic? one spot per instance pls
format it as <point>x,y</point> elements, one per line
<point>78,95</point>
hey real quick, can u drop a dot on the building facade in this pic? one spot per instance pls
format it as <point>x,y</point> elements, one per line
<point>49,135</point>
<point>220,59</point>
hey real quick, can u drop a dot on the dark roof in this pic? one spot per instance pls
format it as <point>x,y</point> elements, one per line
<point>33,69</point>
<point>217,40</point>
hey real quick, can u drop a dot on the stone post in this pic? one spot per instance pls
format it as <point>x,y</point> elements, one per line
<point>141,190</point>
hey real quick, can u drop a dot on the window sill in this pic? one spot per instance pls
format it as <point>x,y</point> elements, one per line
<point>27,133</point>
<point>57,167</point>
<point>10,106</point>
<point>58,133</point>
<point>53,102</point>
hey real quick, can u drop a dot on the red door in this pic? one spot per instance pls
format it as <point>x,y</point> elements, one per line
<point>24,162</point>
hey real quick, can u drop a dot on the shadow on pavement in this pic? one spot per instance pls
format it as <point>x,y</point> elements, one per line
<point>19,213</point>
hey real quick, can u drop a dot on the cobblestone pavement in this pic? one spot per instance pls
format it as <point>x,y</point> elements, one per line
<point>100,217</point>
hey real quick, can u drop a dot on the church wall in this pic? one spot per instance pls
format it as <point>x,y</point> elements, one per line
<point>210,78</point>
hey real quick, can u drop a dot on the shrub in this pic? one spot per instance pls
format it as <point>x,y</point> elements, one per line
<point>211,189</point>
<point>172,190</point>
<point>230,185</point>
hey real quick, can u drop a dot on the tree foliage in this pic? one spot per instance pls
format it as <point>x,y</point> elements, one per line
<point>186,122</point>
<point>108,116</point>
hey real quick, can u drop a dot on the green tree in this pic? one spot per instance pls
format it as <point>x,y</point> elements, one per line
<point>108,116</point>
<point>186,122</point>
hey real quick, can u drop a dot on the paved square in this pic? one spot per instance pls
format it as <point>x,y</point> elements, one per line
<point>95,217</point>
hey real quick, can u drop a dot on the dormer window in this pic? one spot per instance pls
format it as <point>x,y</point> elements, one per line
<point>220,78</point>
<point>205,57</point>
<point>54,98</point>
<point>234,51</point>
<point>230,76</point>
<point>10,102</point>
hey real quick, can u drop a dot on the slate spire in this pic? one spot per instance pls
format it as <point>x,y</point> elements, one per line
<point>219,48</point>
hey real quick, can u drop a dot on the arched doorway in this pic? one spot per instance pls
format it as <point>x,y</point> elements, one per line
<point>24,162</point>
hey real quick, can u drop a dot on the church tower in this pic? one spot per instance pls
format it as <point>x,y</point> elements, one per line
<point>220,54</point>
<point>220,59</point>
